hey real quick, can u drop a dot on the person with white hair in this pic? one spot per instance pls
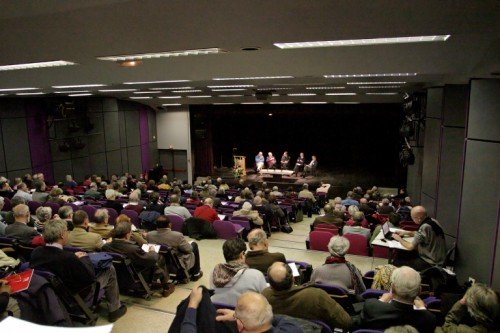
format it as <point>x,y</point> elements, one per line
<point>337,270</point>
<point>19,229</point>
<point>259,256</point>
<point>43,214</point>
<point>271,160</point>
<point>23,192</point>
<point>133,202</point>
<point>111,201</point>
<point>100,225</point>
<point>401,306</point>
<point>385,207</point>
<point>247,211</point>
<point>206,211</point>
<point>252,313</point>
<point>480,303</point>
<point>276,192</point>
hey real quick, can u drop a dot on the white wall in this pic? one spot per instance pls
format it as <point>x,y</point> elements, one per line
<point>173,131</point>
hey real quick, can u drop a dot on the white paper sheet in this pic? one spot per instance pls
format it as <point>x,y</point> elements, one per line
<point>145,247</point>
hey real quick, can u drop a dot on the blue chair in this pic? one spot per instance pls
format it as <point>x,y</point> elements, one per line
<point>373,293</point>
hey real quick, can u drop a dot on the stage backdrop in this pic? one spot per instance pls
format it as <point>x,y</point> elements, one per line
<point>360,138</point>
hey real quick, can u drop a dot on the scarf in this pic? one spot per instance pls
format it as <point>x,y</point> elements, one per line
<point>356,281</point>
<point>223,273</point>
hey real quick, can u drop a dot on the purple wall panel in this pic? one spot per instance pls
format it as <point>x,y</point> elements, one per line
<point>38,135</point>
<point>144,136</point>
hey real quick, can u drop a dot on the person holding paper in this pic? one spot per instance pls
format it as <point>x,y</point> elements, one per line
<point>147,262</point>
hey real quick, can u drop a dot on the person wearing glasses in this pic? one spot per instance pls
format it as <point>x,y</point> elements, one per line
<point>232,278</point>
<point>252,313</point>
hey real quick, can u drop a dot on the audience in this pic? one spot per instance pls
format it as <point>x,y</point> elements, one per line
<point>348,201</point>
<point>385,207</point>
<point>232,278</point>
<point>100,225</point>
<point>331,216</point>
<point>23,192</point>
<point>176,209</point>
<point>92,192</point>
<point>43,214</point>
<point>133,202</point>
<point>337,270</point>
<point>356,227</point>
<point>40,195</point>
<point>80,237</point>
<point>66,213</point>
<point>19,229</point>
<point>111,201</point>
<point>206,211</point>
<point>259,256</point>
<point>253,215</point>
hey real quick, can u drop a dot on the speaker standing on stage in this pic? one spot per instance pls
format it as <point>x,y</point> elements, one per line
<point>299,164</point>
<point>259,161</point>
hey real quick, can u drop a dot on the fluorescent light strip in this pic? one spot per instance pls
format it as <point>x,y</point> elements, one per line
<point>222,103</point>
<point>116,90</point>
<point>172,104</point>
<point>378,87</point>
<point>171,88</point>
<point>147,92</point>
<point>169,97</point>
<point>313,102</point>
<point>18,89</point>
<point>156,55</point>
<point>30,93</point>
<point>91,85</point>
<point>71,92</point>
<point>252,78</point>
<point>379,82</point>
<point>340,94</point>
<point>233,86</point>
<point>383,93</point>
<point>323,88</point>
<point>199,96</point>
<point>32,65</point>
<point>230,96</point>
<point>340,76</point>
<point>365,41</point>
<point>347,102</point>
<point>280,102</point>
<point>252,103</point>
<point>273,88</point>
<point>186,91</point>
<point>275,95</point>
<point>79,95</point>
<point>302,94</point>
<point>154,82</point>
<point>233,89</point>
<point>140,97</point>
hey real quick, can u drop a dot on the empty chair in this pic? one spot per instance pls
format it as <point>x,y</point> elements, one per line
<point>319,240</point>
<point>54,205</point>
<point>134,217</point>
<point>33,205</point>
<point>177,222</point>
<point>112,215</point>
<point>227,230</point>
<point>358,244</point>
<point>90,210</point>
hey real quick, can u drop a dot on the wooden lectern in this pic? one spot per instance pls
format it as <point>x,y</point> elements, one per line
<point>239,162</point>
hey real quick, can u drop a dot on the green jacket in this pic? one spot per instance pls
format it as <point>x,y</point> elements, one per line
<point>453,319</point>
<point>308,302</point>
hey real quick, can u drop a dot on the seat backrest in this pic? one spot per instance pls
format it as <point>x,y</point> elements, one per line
<point>380,252</point>
<point>54,205</point>
<point>175,268</point>
<point>112,215</point>
<point>239,218</point>
<point>224,229</point>
<point>7,206</point>
<point>90,210</point>
<point>218,305</point>
<point>177,222</point>
<point>326,226</point>
<point>358,244</point>
<point>33,205</point>
<point>372,293</point>
<point>134,217</point>
<point>129,280</point>
<point>333,232</point>
<point>319,240</point>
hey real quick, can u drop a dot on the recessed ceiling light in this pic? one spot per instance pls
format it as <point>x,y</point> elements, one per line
<point>338,76</point>
<point>130,63</point>
<point>365,41</point>
<point>199,96</point>
<point>116,90</point>
<point>280,102</point>
<point>378,87</point>
<point>18,89</point>
<point>180,53</point>
<point>170,88</point>
<point>347,102</point>
<point>140,97</point>
<point>232,89</point>
<point>172,104</point>
<point>383,93</point>
<point>30,93</point>
<point>302,94</point>
<point>233,86</point>
<point>313,102</point>
<point>56,63</point>
<point>79,95</point>
<point>323,88</point>
<point>253,78</point>
<point>270,114</point>
<point>340,94</point>
<point>154,82</point>
<point>379,82</point>
<point>169,97</point>
<point>147,92</point>
<point>186,91</point>
<point>71,92</point>
<point>91,85</point>
<point>230,96</point>
<point>252,103</point>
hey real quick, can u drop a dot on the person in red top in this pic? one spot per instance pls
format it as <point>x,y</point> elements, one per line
<point>206,212</point>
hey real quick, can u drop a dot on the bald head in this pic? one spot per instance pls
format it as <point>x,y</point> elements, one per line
<point>280,276</point>
<point>418,214</point>
<point>363,201</point>
<point>254,312</point>
<point>257,240</point>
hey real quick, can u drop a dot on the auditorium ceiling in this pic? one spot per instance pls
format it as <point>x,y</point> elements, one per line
<point>239,59</point>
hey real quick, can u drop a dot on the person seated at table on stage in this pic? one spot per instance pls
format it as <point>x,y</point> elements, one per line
<point>311,167</point>
<point>299,165</point>
<point>259,256</point>
<point>232,278</point>
<point>271,160</point>
<point>285,159</point>
<point>259,161</point>
<point>331,217</point>
<point>206,211</point>
<point>337,270</point>
<point>356,227</point>
<point>428,241</point>
<point>253,215</point>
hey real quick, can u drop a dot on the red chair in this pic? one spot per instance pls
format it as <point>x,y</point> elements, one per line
<point>333,232</point>
<point>380,251</point>
<point>319,240</point>
<point>358,244</point>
